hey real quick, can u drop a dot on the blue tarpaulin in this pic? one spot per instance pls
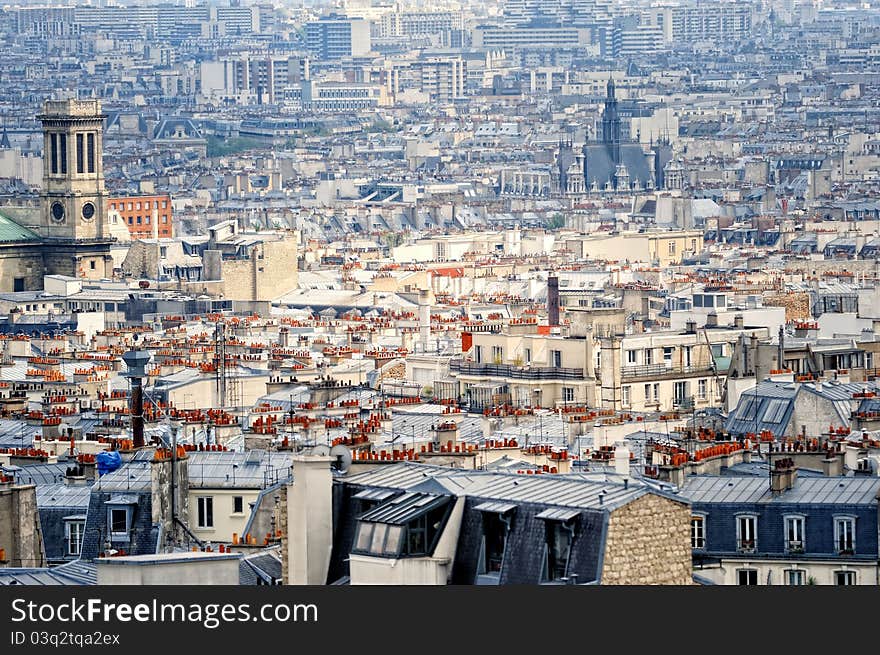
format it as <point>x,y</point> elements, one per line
<point>108,461</point>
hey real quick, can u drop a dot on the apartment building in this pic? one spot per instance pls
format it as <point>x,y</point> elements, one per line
<point>486,37</point>
<point>658,248</point>
<point>421,524</point>
<point>666,371</point>
<point>531,365</point>
<point>441,79</point>
<point>794,530</point>
<point>334,37</point>
<point>251,77</point>
<point>146,217</point>
<point>418,23</point>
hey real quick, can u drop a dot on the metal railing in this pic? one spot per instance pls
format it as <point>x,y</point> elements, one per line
<point>516,372</point>
<point>653,370</point>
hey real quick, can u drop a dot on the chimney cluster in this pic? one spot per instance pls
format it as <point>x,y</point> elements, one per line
<point>783,475</point>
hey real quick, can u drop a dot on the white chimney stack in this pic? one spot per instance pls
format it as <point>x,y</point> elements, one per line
<point>621,460</point>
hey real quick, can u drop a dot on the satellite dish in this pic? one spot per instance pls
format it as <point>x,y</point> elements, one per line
<point>321,451</point>
<point>343,458</point>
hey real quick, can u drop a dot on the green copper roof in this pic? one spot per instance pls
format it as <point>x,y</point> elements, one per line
<point>12,231</point>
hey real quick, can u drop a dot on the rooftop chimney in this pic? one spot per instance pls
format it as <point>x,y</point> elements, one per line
<point>424,317</point>
<point>690,326</point>
<point>782,475</point>
<point>712,319</point>
<point>137,361</point>
<point>553,300</point>
<point>738,322</point>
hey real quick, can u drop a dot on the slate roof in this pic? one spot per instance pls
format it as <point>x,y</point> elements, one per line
<point>264,566</point>
<point>77,572</point>
<point>814,490</point>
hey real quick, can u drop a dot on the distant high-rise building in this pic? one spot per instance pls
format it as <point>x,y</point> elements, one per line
<point>334,37</point>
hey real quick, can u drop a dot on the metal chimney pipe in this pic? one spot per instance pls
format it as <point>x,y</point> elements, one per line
<point>137,361</point>
<point>136,411</point>
<point>553,300</point>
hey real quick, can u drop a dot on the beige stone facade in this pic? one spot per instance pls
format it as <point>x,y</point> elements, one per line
<point>797,305</point>
<point>269,272</point>
<point>648,543</point>
<point>21,538</point>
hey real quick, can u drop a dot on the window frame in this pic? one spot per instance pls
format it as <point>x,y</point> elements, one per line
<point>838,520</point>
<point>238,504</point>
<point>750,572</point>
<point>205,512</point>
<point>740,542</point>
<point>801,574</point>
<point>849,575</point>
<point>556,528</point>
<point>115,534</point>
<point>80,525</point>
<point>701,517</point>
<point>801,543</point>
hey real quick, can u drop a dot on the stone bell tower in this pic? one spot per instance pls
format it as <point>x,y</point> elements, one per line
<point>73,203</point>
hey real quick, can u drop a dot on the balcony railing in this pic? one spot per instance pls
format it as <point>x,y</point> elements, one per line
<point>746,546</point>
<point>659,370</point>
<point>516,372</point>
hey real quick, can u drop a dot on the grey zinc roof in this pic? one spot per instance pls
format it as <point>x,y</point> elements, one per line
<point>557,514</point>
<point>253,469</point>
<point>72,573</point>
<point>38,474</point>
<point>813,490</point>
<point>557,491</point>
<point>133,476</point>
<point>405,508</point>
<point>400,476</point>
<point>63,495</point>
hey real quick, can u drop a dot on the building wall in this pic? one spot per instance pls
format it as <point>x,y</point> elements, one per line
<point>20,533</point>
<point>145,216</point>
<point>18,263</point>
<point>648,542</point>
<point>270,272</point>
<point>204,570</point>
<point>822,573</point>
<point>366,570</point>
<point>226,522</point>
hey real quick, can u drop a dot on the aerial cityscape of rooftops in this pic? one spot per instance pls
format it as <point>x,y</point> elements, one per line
<point>567,292</point>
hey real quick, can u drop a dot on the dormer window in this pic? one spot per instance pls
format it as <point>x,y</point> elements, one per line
<point>559,535</point>
<point>74,528</point>
<point>407,526</point>
<point>496,527</point>
<point>118,518</point>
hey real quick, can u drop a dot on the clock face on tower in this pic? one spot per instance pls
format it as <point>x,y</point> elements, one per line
<point>88,211</point>
<point>57,211</point>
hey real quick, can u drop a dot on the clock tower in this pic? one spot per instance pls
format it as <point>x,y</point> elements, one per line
<point>73,218</point>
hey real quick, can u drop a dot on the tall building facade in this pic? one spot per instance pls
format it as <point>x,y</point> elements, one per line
<point>335,37</point>
<point>73,218</point>
<point>145,217</point>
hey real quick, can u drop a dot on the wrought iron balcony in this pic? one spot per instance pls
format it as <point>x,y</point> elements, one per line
<point>508,371</point>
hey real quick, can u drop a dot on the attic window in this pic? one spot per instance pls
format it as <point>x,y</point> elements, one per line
<point>119,519</point>
<point>407,526</point>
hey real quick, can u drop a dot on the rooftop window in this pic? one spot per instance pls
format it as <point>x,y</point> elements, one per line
<point>407,526</point>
